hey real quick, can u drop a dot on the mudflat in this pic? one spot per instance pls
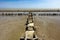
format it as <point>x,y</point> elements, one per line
<point>12,27</point>
<point>47,27</point>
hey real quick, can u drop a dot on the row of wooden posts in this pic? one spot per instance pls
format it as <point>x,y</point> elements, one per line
<point>20,14</point>
<point>30,30</point>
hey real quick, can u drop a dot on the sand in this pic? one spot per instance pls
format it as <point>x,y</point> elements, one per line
<point>13,27</point>
<point>48,27</point>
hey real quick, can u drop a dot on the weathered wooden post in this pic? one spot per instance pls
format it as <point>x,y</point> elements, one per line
<point>30,29</point>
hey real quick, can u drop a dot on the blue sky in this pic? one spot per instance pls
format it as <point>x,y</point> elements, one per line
<point>29,3</point>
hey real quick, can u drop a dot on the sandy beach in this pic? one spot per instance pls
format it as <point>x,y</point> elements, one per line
<point>13,27</point>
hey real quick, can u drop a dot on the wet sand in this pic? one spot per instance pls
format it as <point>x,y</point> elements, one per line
<point>12,27</point>
<point>48,27</point>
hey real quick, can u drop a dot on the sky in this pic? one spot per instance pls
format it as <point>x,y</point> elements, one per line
<point>29,3</point>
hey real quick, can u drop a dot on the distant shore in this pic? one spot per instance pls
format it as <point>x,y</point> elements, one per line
<point>29,10</point>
